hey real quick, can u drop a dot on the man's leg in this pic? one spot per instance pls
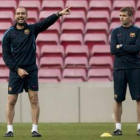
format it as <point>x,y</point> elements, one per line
<point>10,111</point>
<point>138,115</point>
<point>118,111</point>
<point>35,111</point>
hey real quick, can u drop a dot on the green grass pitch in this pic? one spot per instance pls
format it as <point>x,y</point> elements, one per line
<point>71,131</point>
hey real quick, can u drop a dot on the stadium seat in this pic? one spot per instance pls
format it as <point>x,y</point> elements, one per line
<point>32,17</point>
<point>76,62</point>
<point>97,5</point>
<point>100,50</point>
<point>1,36</point>
<point>6,16</point>
<point>137,16</point>
<point>0,50</point>
<point>115,17</point>
<point>99,27</point>
<point>117,4</point>
<point>92,39</point>
<point>98,16</point>
<point>55,29</point>
<point>2,64</point>
<point>31,5</point>
<point>53,5</point>
<point>114,25</point>
<point>71,39</point>
<point>77,5</point>
<point>4,26</point>
<point>7,5</point>
<point>137,24</point>
<point>72,27</point>
<point>4,74</point>
<point>51,62</point>
<point>99,75</point>
<point>49,75</point>
<point>44,14</point>
<point>52,50</point>
<point>47,39</point>
<point>75,16</point>
<point>101,62</point>
<point>77,50</point>
<point>73,75</point>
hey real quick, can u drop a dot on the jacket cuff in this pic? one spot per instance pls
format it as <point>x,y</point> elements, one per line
<point>16,68</point>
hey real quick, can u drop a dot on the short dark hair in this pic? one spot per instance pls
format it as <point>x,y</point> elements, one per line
<point>21,7</point>
<point>129,10</point>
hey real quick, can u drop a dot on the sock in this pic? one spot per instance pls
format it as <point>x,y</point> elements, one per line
<point>34,128</point>
<point>138,127</point>
<point>9,128</point>
<point>118,126</point>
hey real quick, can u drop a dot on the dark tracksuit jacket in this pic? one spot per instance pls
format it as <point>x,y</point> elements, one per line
<point>126,57</point>
<point>19,46</point>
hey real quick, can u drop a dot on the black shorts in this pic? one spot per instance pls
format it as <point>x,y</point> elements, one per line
<point>124,77</point>
<point>17,84</point>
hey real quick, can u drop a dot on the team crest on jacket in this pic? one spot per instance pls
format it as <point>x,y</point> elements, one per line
<point>26,31</point>
<point>132,34</point>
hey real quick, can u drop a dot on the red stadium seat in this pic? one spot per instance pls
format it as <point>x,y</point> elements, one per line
<point>4,26</point>
<point>2,64</point>
<point>77,5</point>
<point>76,62</point>
<point>77,50</point>
<point>97,5</point>
<point>4,74</point>
<point>6,16</point>
<point>53,5</point>
<point>51,62</point>
<point>117,4</point>
<point>98,16</point>
<point>31,5</point>
<point>99,75</point>
<point>72,27</point>
<point>52,50</point>
<point>137,16</point>
<point>44,14</point>
<point>94,39</point>
<point>99,27</point>
<point>115,17</point>
<point>100,50</point>
<point>0,50</point>
<point>75,16</point>
<point>55,29</point>
<point>101,62</point>
<point>114,25</point>
<point>7,5</point>
<point>49,75</point>
<point>73,75</point>
<point>32,17</point>
<point>71,39</point>
<point>47,39</point>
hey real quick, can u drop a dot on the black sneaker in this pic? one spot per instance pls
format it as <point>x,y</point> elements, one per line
<point>35,134</point>
<point>138,132</point>
<point>9,134</point>
<point>117,132</point>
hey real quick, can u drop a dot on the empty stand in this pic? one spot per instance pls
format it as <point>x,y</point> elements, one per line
<point>72,27</point>
<point>75,16</point>
<point>32,17</point>
<point>77,50</point>
<point>31,5</point>
<point>6,16</point>
<point>71,39</point>
<point>51,62</point>
<point>73,75</point>
<point>4,26</point>
<point>53,5</point>
<point>4,74</point>
<point>97,5</point>
<point>49,75</point>
<point>52,50</point>
<point>101,62</point>
<point>91,39</point>
<point>117,4</point>
<point>99,27</point>
<point>115,16</point>
<point>114,25</point>
<point>98,16</point>
<point>47,39</point>
<point>137,16</point>
<point>77,5</point>
<point>99,75</point>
